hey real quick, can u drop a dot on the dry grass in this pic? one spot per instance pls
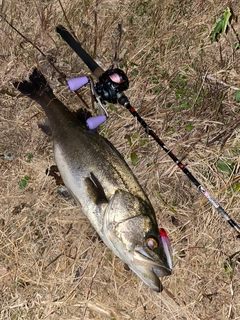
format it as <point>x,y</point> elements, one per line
<point>52,265</point>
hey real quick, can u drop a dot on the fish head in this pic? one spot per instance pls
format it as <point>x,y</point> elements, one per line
<point>131,232</point>
<point>153,258</point>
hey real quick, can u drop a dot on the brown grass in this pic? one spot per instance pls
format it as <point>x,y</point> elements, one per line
<point>52,264</point>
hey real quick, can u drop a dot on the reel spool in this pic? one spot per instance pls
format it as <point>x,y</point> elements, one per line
<point>112,82</point>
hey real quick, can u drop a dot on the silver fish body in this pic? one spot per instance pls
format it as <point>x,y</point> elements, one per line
<point>104,186</point>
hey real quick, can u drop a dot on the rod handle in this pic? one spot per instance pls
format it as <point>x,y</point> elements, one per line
<point>76,46</point>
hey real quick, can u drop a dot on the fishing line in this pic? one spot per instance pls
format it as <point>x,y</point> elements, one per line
<point>62,75</point>
<point>36,47</point>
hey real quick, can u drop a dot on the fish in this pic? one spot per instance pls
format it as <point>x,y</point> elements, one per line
<point>104,187</point>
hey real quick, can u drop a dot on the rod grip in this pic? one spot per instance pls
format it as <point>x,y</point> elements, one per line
<point>86,58</point>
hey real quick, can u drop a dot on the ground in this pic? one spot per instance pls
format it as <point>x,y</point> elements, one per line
<point>185,86</point>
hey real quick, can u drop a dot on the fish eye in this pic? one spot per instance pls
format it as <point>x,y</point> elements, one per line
<point>152,243</point>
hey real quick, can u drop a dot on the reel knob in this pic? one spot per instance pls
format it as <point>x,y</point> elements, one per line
<point>76,83</point>
<point>94,122</point>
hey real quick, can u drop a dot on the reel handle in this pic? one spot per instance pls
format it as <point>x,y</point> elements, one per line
<point>91,64</point>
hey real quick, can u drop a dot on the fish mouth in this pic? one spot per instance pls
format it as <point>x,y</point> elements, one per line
<point>148,270</point>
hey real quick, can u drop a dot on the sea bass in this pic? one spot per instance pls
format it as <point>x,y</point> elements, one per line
<point>105,188</point>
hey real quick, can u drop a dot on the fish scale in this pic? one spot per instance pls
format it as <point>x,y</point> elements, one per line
<point>104,187</point>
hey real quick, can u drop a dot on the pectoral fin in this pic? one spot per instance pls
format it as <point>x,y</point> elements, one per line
<point>95,190</point>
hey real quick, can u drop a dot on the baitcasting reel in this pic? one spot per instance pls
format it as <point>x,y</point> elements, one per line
<point>111,84</point>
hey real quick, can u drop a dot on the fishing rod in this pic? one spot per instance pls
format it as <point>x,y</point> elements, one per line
<point>110,88</point>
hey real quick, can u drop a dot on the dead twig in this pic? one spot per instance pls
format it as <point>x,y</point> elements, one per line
<point>214,79</point>
<point>226,133</point>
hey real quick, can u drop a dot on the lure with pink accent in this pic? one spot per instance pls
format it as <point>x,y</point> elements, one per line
<point>166,246</point>
<point>76,83</point>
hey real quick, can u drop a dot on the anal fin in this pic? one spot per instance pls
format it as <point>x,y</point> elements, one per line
<point>45,127</point>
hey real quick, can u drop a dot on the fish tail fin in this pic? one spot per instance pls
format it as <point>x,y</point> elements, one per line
<point>37,85</point>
